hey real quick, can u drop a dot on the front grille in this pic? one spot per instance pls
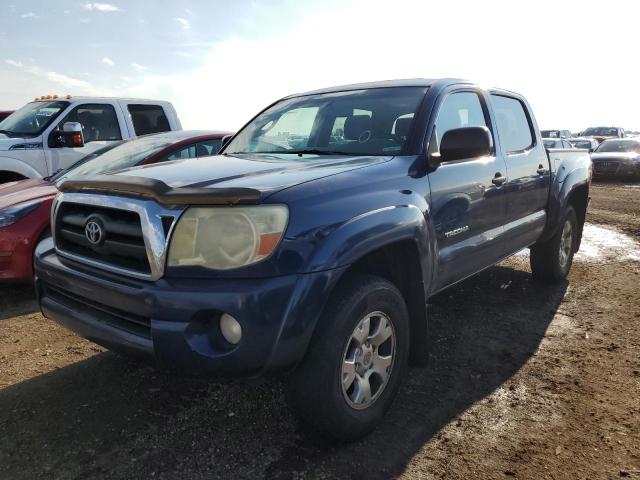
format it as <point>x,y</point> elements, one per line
<point>120,244</point>
<point>135,324</point>
<point>605,167</point>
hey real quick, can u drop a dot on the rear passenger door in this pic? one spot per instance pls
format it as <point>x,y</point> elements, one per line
<point>467,200</point>
<point>528,176</point>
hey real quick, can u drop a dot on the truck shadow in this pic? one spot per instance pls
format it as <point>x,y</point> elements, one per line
<point>105,416</point>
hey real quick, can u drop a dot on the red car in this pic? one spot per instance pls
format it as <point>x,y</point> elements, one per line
<point>25,205</point>
<point>4,114</point>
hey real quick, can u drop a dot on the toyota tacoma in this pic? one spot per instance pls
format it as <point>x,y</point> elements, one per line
<point>311,245</point>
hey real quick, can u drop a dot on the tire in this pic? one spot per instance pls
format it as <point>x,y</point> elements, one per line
<point>551,260</point>
<point>315,390</point>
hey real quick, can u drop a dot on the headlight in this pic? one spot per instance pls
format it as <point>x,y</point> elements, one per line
<point>11,215</point>
<point>222,238</point>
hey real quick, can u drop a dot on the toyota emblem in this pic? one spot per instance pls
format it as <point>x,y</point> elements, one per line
<point>93,232</point>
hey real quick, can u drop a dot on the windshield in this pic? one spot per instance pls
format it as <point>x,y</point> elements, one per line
<point>125,155</point>
<point>33,118</point>
<point>619,146</point>
<point>63,172</point>
<point>360,122</point>
<point>601,131</point>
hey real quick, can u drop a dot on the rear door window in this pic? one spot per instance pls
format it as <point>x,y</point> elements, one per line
<point>514,127</point>
<point>148,119</point>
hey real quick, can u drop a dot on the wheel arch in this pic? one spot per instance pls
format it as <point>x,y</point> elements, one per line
<point>13,170</point>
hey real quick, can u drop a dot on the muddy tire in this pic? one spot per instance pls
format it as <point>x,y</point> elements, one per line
<point>355,362</point>
<point>551,260</point>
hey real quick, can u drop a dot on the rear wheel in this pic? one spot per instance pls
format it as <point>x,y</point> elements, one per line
<point>552,259</point>
<point>356,361</point>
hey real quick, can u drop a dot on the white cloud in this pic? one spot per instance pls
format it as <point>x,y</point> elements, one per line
<point>101,7</point>
<point>13,63</point>
<point>127,79</point>
<point>436,40</point>
<point>53,77</point>
<point>108,61</point>
<point>184,23</point>
<point>28,15</point>
<point>139,68</point>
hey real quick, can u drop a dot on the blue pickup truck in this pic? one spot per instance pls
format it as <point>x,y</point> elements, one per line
<point>311,245</point>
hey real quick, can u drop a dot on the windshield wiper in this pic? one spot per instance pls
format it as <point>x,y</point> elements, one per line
<point>7,132</point>
<point>53,174</point>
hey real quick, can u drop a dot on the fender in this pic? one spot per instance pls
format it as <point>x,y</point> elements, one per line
<point>375,229</point>
<point>8,164</point>
<point>563,186</point>
<point>347,244</point>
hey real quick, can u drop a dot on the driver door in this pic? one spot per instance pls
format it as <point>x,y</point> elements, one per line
<point>101,125</point>
<point>467,198</point>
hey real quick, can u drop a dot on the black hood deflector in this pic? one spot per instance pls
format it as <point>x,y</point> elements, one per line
<point>160,191</point>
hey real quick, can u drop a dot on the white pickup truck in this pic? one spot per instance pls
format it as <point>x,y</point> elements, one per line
<point>32,143</point>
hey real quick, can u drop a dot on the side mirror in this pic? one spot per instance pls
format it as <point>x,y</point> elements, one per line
<point>225,141</point>
<point>71,136</point>
<point>466,142</point>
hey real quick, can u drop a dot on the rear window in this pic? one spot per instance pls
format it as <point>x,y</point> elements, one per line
<point>581,143</point>
<point>148,119</point>
<point>513,124</point>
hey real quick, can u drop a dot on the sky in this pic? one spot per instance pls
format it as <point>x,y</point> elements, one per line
<point>220,62</point>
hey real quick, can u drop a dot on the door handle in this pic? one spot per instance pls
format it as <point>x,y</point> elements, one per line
<point>541,170</point>
<point>499,179</point>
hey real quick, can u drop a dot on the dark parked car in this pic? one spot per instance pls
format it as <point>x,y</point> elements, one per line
<point>603,133</point>
<point>585,143</point>
<point>617,158</point>
<point>313,243</point>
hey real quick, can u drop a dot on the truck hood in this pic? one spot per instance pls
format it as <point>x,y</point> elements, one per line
<point>7,142</point>
<point>264,172</point>
<point>13,193</point>
<point>614,156</point>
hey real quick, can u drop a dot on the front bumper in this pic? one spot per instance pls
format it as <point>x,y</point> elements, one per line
<point>173,323</point>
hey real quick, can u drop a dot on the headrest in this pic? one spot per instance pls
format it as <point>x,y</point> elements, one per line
<point>356,125</point>
<point>201,151</point>
<point>402,126</point>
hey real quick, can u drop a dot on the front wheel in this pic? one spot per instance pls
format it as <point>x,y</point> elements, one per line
<point>552,259</point>
<point>355,362</point>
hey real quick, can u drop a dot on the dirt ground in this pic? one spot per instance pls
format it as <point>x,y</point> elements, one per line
<point>525,381</point>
